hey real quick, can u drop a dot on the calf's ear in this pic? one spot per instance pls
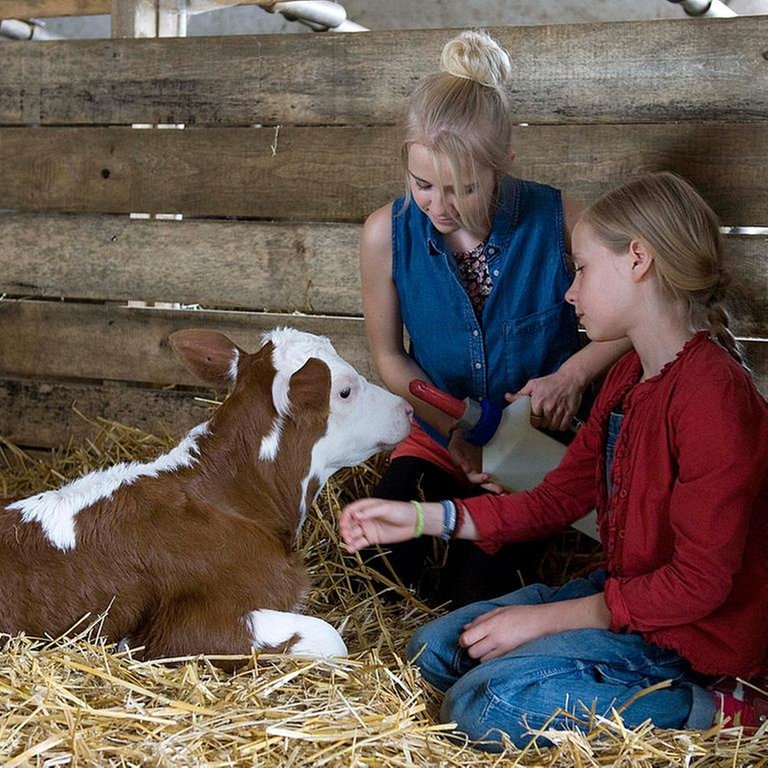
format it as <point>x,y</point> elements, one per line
<point>210,355</point>
<point>310,387</point>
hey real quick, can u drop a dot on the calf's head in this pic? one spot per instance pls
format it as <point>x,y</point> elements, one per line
<point>301,376</point>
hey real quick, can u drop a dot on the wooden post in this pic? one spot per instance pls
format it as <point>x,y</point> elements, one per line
<point>134,18</point>
<point>149,18</point>
<point>172,18</point>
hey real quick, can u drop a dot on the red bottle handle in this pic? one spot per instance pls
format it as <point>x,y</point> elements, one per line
<point>436,397</point>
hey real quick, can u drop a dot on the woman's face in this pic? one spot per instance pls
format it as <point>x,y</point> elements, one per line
<point>439,204</point>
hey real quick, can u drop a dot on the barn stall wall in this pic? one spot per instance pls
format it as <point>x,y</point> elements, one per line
<point>288,142</point>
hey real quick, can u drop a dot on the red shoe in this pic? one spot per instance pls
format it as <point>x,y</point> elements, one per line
<point>739,704</point>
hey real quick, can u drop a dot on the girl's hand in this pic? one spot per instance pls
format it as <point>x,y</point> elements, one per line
<point>499,631</point>
<point>554,399</point>
<point>376,521</point>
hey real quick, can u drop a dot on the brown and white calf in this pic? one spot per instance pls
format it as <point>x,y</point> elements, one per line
<point>194,552</point>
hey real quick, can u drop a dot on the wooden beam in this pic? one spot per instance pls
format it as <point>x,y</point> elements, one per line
<point>115,342</point>
<point>270,266</point>
<point>40,9</point>
<point>344,173</point>
<point>219,264</point>
<point>649,72</point>
<point>44,414</point>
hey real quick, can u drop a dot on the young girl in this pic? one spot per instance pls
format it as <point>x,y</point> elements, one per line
<point>674,458</point>
<point>473,262</point>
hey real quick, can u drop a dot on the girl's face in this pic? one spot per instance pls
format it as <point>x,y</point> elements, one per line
<point>440,204</point>
<point>602,289</point>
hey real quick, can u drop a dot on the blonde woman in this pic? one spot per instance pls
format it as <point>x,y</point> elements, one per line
<point>473,262</point>
<point>674,457</point>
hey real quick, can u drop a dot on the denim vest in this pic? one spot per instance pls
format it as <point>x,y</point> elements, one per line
<point>526,328</point>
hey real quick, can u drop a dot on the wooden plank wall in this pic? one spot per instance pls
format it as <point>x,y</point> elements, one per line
<point>289,142</point>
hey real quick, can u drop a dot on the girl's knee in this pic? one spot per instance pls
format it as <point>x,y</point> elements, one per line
<point>418,644</point>
<point>477,713</point>
<point>428,651</point>
<point>436,655</point>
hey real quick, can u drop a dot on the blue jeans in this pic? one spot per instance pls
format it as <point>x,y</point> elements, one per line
<point>572,671</point>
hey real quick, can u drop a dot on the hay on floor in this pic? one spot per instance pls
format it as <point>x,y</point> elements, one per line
<point>75,701</point>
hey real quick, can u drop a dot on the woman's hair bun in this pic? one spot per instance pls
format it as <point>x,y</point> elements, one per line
<point>475,55</point>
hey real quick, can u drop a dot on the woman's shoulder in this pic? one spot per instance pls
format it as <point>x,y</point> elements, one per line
<point>377,228</point>
<point>533,198</point>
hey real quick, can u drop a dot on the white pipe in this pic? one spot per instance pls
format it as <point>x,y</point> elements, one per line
<point>706,8</point>
<point>321,12</point>
<point>22,30</point>
<point>319,15</point>
<point>350,26</point>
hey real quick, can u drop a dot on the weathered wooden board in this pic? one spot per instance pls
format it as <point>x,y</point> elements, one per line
<point>238,264</point>
<point>39,9</point>
<point>218,264</point>
<point>44,414</point>
<point>657,71</point>
<point>47,339</point>
<point>343,173</point>
<point>747,261</point>
<point>112,342</point>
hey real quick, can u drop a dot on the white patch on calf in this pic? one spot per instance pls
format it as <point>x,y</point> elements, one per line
<point>271,443</point>
<point>317,638</point>
<point>56,510</point>
<point>233,367</point>
<point>367,420</point>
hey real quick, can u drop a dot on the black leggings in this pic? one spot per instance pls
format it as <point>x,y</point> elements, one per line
<point>460,572</point>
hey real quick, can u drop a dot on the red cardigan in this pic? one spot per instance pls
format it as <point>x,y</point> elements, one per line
<point>686,540</point>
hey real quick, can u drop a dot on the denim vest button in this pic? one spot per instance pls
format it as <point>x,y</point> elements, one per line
<point>492,252</point>
<point>478,365</point>
<point>475,332</point>
<point>495,272</point>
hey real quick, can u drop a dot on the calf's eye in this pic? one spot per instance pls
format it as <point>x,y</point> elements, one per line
<point>346,392</point>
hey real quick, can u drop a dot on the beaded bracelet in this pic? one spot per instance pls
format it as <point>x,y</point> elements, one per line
<point>419,530</point>
<point>449,519</point>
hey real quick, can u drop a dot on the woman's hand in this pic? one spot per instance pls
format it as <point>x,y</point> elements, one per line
<point>501,630</point>
<point>376,521</point>
<point>554,399</point>
<point>467,457</point>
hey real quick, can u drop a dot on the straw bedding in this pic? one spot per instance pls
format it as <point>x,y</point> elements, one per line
<point>75,701</point>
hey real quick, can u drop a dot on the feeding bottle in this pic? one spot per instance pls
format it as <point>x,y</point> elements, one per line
<point>515,454</point>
